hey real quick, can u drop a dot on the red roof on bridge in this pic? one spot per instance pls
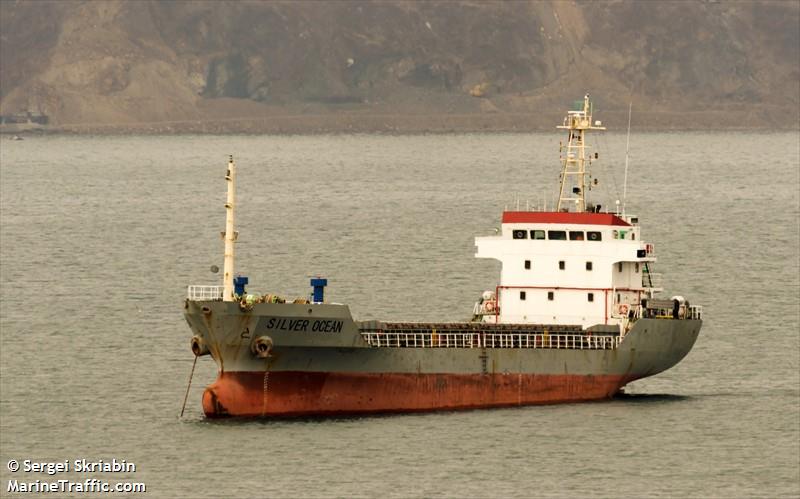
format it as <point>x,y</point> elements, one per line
<point>562,217</point>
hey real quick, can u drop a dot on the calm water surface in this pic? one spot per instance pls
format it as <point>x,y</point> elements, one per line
<point>99,237</point>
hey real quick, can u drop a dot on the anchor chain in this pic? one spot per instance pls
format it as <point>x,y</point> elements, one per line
<point>186,397</point>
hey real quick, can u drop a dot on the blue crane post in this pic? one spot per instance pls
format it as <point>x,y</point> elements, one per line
<point>239,282</point>
<point>319,289</point>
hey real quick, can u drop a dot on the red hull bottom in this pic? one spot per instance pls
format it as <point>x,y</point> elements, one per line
<point>285,394</point>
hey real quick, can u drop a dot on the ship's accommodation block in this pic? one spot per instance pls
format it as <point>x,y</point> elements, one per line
<point>568,268</point>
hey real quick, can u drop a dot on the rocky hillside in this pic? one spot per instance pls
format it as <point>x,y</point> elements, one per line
<point>305,66</point>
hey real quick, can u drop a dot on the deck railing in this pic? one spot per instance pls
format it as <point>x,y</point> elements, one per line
<point>204,293</point>
<point>695,312</point>
<point>667,309</point>
<point>491,340</point>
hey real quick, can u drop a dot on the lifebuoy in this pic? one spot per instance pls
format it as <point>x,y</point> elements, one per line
<point>623,309</point>
<point>490,306</point>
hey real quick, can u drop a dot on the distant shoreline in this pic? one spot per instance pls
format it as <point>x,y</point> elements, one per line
<point>338,123</point>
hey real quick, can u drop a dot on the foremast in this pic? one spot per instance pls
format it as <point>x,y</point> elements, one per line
<point>229,235</point>
<point>574,160</point>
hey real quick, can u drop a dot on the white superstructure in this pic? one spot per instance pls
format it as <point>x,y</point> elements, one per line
<point>568,268</point>
<point>573,266</point>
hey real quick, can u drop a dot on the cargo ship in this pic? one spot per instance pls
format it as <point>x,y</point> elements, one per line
<point>574,316</point>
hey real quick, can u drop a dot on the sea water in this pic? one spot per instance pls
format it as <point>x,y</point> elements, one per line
<point>99,237</point>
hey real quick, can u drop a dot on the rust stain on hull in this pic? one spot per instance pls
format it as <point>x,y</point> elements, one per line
<point>319,393</point>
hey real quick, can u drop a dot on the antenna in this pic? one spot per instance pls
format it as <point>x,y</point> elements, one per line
<point>627,150</point>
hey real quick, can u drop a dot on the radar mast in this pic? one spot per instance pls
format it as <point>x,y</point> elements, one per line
<point>573,158</point>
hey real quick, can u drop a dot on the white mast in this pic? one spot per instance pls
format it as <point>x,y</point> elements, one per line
<point>573,163</point>
<point>229,235</point>
<point>627,150</point>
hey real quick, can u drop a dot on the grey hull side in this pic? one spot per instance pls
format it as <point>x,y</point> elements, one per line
<point>325,338</point>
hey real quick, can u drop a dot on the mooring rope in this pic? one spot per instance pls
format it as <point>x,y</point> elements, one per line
<point>185,398</point>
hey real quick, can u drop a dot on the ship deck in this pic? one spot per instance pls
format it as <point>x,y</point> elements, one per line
<point>488,335</point>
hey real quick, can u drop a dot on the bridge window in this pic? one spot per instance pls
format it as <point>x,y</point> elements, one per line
<point>588,265</point>
<point>594,236</point>
<point>520,234</point>
<point>590,296</point>
<point>557,235</point>
<point>576,235</point>
<point>637,268</point>
<point>522,295</point>
<point>537,234</point>
<point>550,295</point>
<point>561,265</point>
<point>527,264</point>
<point>619,266</point>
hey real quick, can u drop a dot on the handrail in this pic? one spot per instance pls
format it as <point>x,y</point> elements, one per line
<point>662,311</point>
<point>695,312</point>
<point>491,340</point>
<point>204,293</point>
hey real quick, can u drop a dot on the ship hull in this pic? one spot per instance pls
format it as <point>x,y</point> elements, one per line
<point>320,364</point>
<point>291,394</point>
